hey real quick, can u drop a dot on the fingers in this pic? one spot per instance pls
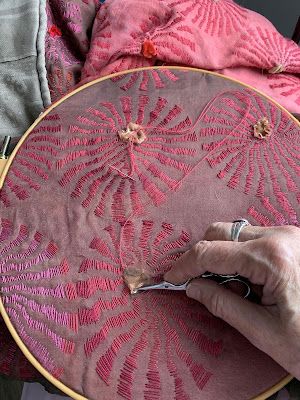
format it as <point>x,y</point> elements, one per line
<point>219,257</point>
<point>222,231</point>
<point>233,309</point>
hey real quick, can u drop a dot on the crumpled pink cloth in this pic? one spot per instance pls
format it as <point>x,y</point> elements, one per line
<point>69,25</point>
<point>214,35</point>
<point>282,87</point>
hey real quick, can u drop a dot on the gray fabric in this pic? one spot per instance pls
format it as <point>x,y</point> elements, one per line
<point>24,91</point>
<point>41,61</point>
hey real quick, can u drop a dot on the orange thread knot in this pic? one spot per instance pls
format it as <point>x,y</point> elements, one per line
<point>148,49</point>
<point>54,31</point>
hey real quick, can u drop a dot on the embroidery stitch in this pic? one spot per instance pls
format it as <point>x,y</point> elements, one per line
<point>238,151</point>
<point>279,55</point>
<point>22,248</point>
<point>96,284</point>
<point>216,18</point>
<point>124,160</point>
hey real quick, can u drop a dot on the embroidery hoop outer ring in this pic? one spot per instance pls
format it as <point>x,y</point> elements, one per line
<point>4,167</point>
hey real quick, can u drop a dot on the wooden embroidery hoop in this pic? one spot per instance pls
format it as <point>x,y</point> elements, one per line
<point>4,167</point>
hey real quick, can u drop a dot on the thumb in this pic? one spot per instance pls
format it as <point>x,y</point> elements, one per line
<point>236,311</point>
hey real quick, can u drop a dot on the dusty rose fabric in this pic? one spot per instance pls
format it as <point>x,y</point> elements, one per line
<point>232,40</point>
<point>213,35</point>
<point>67,42</point>
<point>283,87</point>
<point>79,205</point>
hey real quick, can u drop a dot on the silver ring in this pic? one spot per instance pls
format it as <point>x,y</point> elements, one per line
<point>236,228</point>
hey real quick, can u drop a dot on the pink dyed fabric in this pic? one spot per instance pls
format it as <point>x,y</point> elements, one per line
<point>69,28</point>
<point>213,35</point>
<point>283,87</point>
<point>105,205</point>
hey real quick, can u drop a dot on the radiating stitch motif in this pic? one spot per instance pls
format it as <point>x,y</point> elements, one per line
<point>266,48</point>
<point>128,62</point>
<point>146,80</point>
<point>269,216</point>
<point>169,36</point>
<point>214,17</point>
<point>30,169</point>
<point>160,328</point>
<point>115,178</point>
<point>172,39</point>
<point>265,168</point>
<point>24,251</point>
<point>286,85</point>
<point>99,53</point>
<point>104,47</point>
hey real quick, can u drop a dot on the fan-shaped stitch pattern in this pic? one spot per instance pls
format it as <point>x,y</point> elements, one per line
<point>173,40</point>
<point>108,55</point>
<point>287,85</point>
<point>61,82</point>
<point>266,48</point>
<point>115,178</point>
<point>112,320</point>
<point>158,24</point>
<point>146,80</point>
<point>214,17</point>
<point>267,168</point>
<point>30,170</point>
<point>28,256</point>
<point>153,247</point>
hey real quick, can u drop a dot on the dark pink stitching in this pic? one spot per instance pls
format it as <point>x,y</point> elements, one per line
<point>126,379</point>
<point>117,321</point>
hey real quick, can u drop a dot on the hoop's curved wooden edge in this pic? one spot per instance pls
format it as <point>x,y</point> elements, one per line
<point>273,389</point>
<point>9,161</point>
<point>3,162</point>
<point>33,360</point>
<point>16,337</point>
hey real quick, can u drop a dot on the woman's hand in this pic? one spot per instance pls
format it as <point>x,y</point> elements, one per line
<point>266,256</point>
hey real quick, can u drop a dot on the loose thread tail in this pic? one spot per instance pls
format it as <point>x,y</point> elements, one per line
<point>132,159</point>
<point>122,173</point>
<point>201,115</point>
<point>132,164</point>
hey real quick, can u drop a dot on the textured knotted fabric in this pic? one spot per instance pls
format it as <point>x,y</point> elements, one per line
<point>80,204</point>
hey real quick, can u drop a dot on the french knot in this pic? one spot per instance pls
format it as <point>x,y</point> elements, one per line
<point>133,133</point>
<point>262,129</point>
